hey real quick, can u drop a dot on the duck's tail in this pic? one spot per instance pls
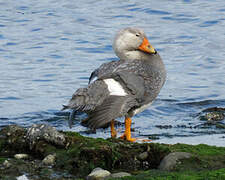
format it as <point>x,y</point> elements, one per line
<point>72,115</point>
<point>71,118</point>
<point>87,99</point>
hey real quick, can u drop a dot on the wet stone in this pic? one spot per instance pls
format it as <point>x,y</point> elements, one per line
<point>7,164</point>
<point>170,161</point>
<point>21,156</point>
<point>13,135</point>
<point>23,177</point>
<point>49,160</point>
<point>44,132</point>
<point>143,156</point>
<point>98,174</point>
<point>12,129</point>
<point>214,116</point>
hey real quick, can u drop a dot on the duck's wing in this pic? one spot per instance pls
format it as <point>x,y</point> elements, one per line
<point>112,108</point>
<point>86,99</point>
<point>143,80</point>
<point>105,68</point>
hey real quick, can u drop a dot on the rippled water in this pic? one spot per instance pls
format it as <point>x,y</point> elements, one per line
<point>49,48</point>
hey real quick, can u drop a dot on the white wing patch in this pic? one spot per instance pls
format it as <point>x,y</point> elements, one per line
<point>115,87</point>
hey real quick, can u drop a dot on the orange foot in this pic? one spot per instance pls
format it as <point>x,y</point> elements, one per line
<point>127,138</point>
<point>127,133</point>
<point>134,139</point>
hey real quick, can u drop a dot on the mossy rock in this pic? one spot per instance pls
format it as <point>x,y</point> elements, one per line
<point>81,155</point>
<point>183,175</point>
<point>214,116</point>
<point>12,137</point>
<point>85,154</point>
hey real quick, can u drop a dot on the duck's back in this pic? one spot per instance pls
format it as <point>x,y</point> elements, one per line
<point>143,78</point>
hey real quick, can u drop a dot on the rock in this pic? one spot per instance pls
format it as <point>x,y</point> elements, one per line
<point>120,174</point>
<point>98,174</point>
<point>7,164</point>
<point>13,129</point>
<point>96,169</point>
<point>169,162</point>
<point>23,177</point>
<point>21,156</point>
<point>14,136</point>
<point>49,160</point>
<point>143,156</point>
<point>214,116</point>
<point>44,132</point>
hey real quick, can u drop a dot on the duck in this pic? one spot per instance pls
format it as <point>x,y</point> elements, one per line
<point>121,88</point>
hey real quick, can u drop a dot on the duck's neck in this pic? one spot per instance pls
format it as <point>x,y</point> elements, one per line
<point>129,55</point>
<point>152,59</point>
<point>138,55</point>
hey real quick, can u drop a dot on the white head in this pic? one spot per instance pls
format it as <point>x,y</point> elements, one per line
<point>132,43</point>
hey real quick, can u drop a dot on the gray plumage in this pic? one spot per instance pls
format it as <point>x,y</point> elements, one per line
<point>86,99</point>
<point>141,75</point>
<point>105,68</point>
<point>111,108</point>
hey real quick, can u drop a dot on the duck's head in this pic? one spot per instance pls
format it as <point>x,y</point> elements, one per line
<point>132,43</point>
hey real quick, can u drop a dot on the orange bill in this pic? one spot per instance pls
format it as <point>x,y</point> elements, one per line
<point>147,47</point>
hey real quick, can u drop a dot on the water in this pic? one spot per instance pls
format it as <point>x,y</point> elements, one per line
<point>49,48</point>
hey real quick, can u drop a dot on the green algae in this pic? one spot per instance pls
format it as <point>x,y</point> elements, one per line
<point>2,159</point>
<point>118,155</point>
<point>82,154</point>
<point>185,175</point>
<point>200,150</point>
<point>204,157</point>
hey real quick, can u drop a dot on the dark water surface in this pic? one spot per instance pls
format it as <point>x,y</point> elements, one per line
<point>49,48</point>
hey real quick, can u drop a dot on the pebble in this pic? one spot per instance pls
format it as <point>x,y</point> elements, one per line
<point>6,164</point>
<point>169,162</point>
<point>23,177</point>
<point>21,156</point>
<point>49,160</point>
<point>98,174</point>
<point>143,156</point>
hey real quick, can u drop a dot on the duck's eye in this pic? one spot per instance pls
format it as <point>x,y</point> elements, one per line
<point>137,35</point>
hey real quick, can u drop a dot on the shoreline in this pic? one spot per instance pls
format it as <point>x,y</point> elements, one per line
<point>42,151</point>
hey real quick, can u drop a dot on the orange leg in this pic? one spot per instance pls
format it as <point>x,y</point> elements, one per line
<point>127,133</point>
<point>113,130</point>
